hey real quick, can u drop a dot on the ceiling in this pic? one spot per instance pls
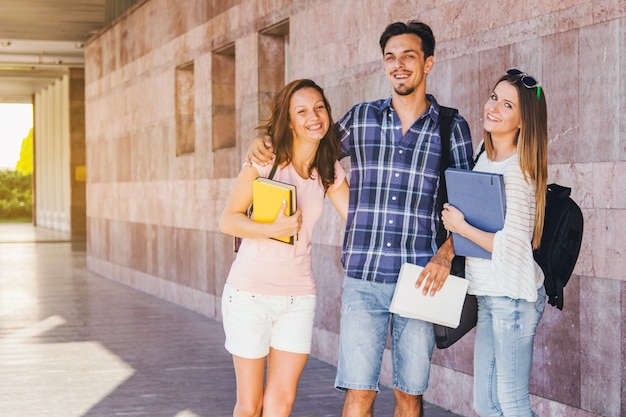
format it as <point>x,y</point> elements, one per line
<point>40,40</point>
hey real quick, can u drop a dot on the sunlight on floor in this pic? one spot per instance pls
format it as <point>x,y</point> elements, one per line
<point>186,413</point>
<point>53,379</point>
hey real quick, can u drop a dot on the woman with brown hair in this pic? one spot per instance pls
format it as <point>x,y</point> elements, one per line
<point>269,300</point>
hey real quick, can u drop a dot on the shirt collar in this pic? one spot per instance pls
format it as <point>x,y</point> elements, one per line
<point>432,112</point>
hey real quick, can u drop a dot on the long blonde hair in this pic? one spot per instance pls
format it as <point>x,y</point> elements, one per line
<point>532,145</point>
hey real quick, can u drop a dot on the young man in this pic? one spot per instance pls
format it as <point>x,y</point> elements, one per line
<point>394,150</point>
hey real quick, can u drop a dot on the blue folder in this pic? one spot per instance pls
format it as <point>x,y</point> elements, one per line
<point>480,197</point>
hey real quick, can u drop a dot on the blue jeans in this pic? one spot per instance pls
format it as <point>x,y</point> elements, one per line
<point>365,321</point>
<point>503,354</point>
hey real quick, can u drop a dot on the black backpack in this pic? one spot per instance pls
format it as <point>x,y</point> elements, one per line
<point>560,242</point>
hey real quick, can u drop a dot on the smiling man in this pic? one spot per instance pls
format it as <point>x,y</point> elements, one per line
<point>395,150</point>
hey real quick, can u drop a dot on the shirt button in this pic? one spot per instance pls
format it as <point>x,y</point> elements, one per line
<point>400,151</point>
<point>396,175</point>
<point>394,198</point>
<point>390,221</point>
<point>388,244</point>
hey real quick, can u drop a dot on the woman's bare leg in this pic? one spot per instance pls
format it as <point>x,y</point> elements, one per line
<point>249,374</point>
<point>283,373</point>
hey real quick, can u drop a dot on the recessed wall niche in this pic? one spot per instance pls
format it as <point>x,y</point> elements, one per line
<point>223,97</point>
<point>185,108</point>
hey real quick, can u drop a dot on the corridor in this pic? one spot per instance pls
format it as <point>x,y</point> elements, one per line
<point>75,344</point>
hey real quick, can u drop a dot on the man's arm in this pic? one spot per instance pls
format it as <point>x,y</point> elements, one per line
<point>261,150</point>
<point>437,269</point>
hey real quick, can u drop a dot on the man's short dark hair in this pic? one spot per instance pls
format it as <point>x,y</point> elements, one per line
<point>413,27</point>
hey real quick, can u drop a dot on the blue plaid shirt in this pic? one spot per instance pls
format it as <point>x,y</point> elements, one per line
<point>394,181</point>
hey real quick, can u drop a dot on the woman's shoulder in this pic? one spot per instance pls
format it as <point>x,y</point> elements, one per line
<point>265,170</point>
<point>512,168</point>
<point>516,180</point>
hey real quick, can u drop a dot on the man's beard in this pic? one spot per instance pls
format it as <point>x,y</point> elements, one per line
<point>403,90</point>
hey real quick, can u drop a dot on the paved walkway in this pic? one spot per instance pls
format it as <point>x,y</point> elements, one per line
<point>75,344</point>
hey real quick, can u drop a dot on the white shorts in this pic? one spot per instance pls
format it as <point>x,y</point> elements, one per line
<point>254,322</point>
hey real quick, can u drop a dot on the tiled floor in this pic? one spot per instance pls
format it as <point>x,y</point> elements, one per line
<point>75,344</point>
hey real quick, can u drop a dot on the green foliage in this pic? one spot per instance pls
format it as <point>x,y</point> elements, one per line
<point>15,195</point>
<point>25,164</point>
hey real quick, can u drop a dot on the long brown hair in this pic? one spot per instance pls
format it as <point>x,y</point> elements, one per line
<point>277,126</point>
<point>532,145</point>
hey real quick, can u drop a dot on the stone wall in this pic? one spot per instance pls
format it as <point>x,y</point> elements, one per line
<point>152,209</point>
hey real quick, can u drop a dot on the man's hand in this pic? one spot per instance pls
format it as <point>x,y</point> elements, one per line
<point>260,150</point>
<point>437,269</point>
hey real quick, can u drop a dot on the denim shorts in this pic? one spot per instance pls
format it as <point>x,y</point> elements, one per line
<point>254,322</point>
<point>365,323</point>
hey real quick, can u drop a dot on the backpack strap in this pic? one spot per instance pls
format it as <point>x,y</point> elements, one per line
<point>273,171</point>
<point>446,118</point>
<point>480,152</point>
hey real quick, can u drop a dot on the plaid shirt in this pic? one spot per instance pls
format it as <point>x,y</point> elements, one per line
<point>393,187</point>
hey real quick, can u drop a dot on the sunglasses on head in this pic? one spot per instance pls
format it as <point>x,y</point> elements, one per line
<point>527,80</point>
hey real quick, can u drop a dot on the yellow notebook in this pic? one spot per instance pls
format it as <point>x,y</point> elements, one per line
<point>267,198</point>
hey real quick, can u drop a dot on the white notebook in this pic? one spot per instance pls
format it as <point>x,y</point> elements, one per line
<point>443,308</point>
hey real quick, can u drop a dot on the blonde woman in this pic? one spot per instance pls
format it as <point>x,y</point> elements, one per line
<point>509,286</point>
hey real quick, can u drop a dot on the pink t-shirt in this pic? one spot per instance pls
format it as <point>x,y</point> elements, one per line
<point>267,266</point>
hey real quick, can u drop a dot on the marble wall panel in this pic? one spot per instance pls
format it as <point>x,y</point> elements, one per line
<point>560,57</point>
<point>122,162</point>
<point>604,10</point>
<point>132,45</point>
<point>622,88</point>
<point>600,346</point>
<point>138,247</point>
<point>455,19</point>
<point>166,238</point>
<point>598,69</point>
<point>456,392</point>
<point>556,369</point>
<point>98,237</point>
<point>459,356</point>
<point>623,344</point>
<point>616,249</point>
<point>152,247</point>
<point>608,188</point>
<point>119,235</point>
<point>460,89</point>
<point>192,251</point>
<point>595,241</point>
<point>329,279</point>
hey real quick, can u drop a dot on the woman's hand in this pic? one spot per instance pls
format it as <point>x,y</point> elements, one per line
<point>453,219</point>
<point>454,222</point>
<point>285,225</point>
